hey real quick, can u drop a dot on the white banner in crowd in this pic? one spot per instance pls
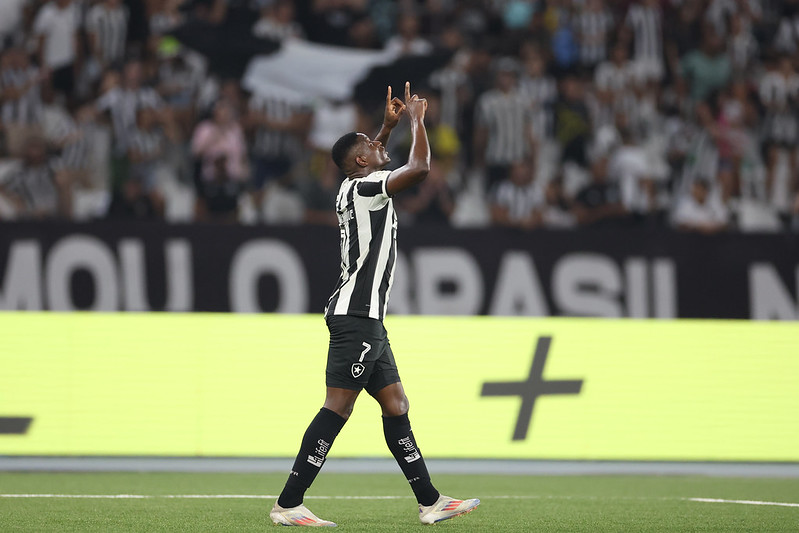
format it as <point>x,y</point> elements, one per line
<point>301,71</point>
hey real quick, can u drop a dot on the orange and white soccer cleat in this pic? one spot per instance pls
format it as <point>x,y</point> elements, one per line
<point>445,508</point>
<point>297,516</point>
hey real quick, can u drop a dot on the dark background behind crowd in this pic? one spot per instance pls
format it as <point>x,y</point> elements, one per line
<point>679,114</point>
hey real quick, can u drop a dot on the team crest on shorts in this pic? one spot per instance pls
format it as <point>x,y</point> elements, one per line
<point>357,369</point>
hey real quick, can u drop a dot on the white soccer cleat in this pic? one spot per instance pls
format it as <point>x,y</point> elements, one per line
<point>445,508</point>
<point>297,516</point>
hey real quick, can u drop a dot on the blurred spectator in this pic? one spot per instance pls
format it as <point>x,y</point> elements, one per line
<point>407,40</point>
<point>684,33</point>
<point>107,29</point>
<point>165,16</point>
<point>541,91</point>
<point>12,17</point>
<point>363,34</point>
<point>638,185</point>
<point>517,199</point>
<point>787,38</point>
<point>735,121</point>
<point>20,84</point>
<point>65,137</point>
<point>34,187</point>
<point>329,20</point>
<point>277,21</point>
<point>594,23</point>
<point>779,96</point>
<point>180,76</point>
<point>720,13</point>
<point>218,196</point>
<point>706,69</point>
<point>147,150</point>
<point>221,138</point>
<point>279,129</point>
<point>742,46</point>
<point>556,212</point>
<point>132,202</point>
<point>56,28</point>
<point>432,202</point>
<point>599,204</point>
<point>701,211</point>
<point>643,28</point>
<point>572,121</point>
<point>503,133</point>
<point>122,100</point>
<point>614,81</point>
<point>319,196</point>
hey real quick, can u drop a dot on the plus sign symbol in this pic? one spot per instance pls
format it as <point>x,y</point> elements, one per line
<point>531,388</point>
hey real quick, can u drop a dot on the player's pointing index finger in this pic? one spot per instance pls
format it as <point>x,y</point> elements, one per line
<point>388,95</point>
<point>407,91</point>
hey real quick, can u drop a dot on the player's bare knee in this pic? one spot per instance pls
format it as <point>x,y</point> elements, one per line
<point>396,406</point>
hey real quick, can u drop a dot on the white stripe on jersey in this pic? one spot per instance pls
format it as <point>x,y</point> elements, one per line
<point>382,263</point>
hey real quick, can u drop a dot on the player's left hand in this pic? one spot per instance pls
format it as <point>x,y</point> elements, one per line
<point>394,109</point>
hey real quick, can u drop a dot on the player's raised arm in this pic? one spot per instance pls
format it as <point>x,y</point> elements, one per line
<point>394,109</point>
<point>418,165</point>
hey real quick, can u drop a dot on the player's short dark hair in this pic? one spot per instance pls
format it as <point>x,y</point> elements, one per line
<point>342,148</point>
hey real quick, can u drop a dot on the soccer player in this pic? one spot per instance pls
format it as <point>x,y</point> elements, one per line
<point>359,356</point>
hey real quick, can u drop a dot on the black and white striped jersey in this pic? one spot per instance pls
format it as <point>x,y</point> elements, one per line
<point>645,23</point>
<point>368,228</point>
<point>593,28</point>
<point>508,118</point>
<point>110,28</point>
<point>36,187</point>
<point>123,105</point>
<point>271,142</point>
<point>541,93</point>
<point>26,108</point>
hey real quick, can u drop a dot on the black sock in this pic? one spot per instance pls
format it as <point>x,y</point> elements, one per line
<point>399,438</point>
<point>316,443</point>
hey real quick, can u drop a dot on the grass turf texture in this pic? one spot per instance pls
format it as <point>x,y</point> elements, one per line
<point>509,503</point>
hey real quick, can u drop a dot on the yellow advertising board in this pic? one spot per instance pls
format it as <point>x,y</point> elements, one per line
<point>247,385</point>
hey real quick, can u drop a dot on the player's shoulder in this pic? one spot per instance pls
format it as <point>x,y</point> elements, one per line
<point>377,176</point>
<point>373,185</point>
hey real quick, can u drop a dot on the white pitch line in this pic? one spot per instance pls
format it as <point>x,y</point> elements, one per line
<point>81,496</point>
<point>193,496</point>
<point>257,497</point>
<point>743,502</point>
<point>376,497</point>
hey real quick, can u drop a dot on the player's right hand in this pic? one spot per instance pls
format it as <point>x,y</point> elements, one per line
<point>414,106</point>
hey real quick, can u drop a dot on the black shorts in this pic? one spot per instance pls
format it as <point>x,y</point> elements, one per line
<point>360,355</point>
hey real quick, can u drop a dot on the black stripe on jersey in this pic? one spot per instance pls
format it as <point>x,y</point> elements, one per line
<point>370,188</point>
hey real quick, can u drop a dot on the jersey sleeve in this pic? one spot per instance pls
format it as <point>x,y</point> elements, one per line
<point>374,188</point>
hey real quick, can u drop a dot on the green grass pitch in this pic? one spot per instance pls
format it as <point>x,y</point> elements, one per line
<point>509,503</point>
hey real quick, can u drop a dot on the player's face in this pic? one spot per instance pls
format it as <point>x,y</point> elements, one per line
<point>375,153</point>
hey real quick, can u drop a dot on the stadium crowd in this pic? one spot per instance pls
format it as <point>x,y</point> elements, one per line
<point>546,113</point>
